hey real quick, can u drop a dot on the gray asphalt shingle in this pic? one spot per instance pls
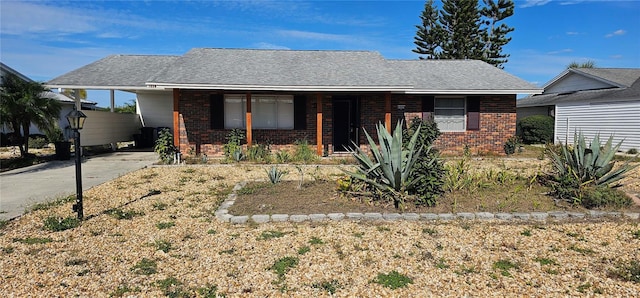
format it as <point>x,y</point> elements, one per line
<point>116,70</point>
<point>279,68</point>
<point>211,68</point>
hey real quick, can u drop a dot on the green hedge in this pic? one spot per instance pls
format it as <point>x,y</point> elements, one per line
<point>536,129</point>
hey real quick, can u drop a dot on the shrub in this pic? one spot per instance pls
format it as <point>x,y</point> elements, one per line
<point>536,129</point>
<point>164,146</point>
<point>583,166</point>
<point>511,145</point>
<point>233,147</point>
<point>283,157</point>
<point>259,153</point>
<point>428,171</point>
<point>390,170</point>
<point>632,151</point>
<point>602,196</point>
<point>37,142</point>
<point>304,153</point>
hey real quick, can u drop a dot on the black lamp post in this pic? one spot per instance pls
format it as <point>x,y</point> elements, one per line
<point>76,121</point>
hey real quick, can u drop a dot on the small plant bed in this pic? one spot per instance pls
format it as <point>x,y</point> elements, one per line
<point>323,197</point>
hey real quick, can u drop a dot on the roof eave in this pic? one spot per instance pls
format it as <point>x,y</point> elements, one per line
<point>155,86</point>
<point>475,91</point>
<point>96,87</point>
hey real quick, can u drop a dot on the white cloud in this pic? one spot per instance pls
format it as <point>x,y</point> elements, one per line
<point>560,52</point>
<point>616,57</point>
<point>33,18</point>
<point>316,36</point>
<point>270,46</point>
<point>532,3</point>
<point>571,2</point>
<point>616,33</point>
<point>573,33</point>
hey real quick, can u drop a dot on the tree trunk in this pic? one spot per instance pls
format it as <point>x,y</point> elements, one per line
<point>25,131</point>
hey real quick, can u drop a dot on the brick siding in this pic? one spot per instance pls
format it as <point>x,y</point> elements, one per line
<point>497,124</point>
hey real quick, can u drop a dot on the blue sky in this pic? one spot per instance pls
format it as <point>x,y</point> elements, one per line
<point>45,39</point>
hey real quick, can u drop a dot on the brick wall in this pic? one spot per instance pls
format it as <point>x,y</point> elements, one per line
<point>497,124</point>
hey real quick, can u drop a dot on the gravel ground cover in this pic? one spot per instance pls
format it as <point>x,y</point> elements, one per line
<point>153,233</point>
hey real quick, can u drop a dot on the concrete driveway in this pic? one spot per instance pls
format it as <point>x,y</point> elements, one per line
<point>24,187</point>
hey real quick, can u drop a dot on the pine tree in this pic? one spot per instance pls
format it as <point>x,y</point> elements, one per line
<point>429,33</point>
<point>460,20</point>
<point>464,30</point>
<point>495,36</point>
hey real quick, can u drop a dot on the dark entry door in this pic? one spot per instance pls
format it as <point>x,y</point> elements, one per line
<point>346,122</point>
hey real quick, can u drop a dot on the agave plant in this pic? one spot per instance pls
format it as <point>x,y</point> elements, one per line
<point>590,164</point>
<point>275,175</point>
<point>390,169</point>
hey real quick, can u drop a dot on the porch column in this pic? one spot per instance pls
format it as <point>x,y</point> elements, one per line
<point>112,97</point>
<point>387,111</point>
<point>176,118</point>
<point>249,136</point>
<point>77,99</point>
<point>319,124</point>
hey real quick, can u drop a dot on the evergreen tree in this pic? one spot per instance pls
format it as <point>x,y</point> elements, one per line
<point>460,20</point>
<point>587,64</point>
<point>495,35</point>
<point>464,30</point>
<point>429,33</point>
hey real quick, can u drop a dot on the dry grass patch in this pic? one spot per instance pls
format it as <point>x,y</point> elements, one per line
<point>106,256</point>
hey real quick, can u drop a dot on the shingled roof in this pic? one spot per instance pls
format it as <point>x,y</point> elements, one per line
<point>125,72</point>
<point>289,70</point>
<point>453,76</point>
<point>625,85</point>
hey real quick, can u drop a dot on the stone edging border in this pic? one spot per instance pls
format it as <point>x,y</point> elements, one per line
<point>222,214</point>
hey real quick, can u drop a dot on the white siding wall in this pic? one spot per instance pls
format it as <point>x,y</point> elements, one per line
<point>620,119</point>
<point>575,82</point>
<point>155,109</point>
<point>105,127</point>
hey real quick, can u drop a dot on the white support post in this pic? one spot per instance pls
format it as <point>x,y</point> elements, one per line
<point>76,95</point>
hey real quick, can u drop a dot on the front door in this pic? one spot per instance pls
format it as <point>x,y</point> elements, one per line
<point>346,122</point>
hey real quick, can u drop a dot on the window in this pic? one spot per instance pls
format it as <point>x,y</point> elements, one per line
<point>450,114</point>
<point>267,111</point>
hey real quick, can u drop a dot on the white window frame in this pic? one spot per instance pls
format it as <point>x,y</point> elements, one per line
<point>284,107</point>
<point>439,119</point>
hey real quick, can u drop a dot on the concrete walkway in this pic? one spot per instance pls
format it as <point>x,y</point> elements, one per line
<point>24,187</point>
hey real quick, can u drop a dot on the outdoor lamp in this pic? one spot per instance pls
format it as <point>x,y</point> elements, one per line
<point>76,121</point>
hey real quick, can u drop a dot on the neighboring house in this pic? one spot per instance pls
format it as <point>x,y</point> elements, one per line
<point>325,97</point>
<point>603,101</point>
<point>67,103</point>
